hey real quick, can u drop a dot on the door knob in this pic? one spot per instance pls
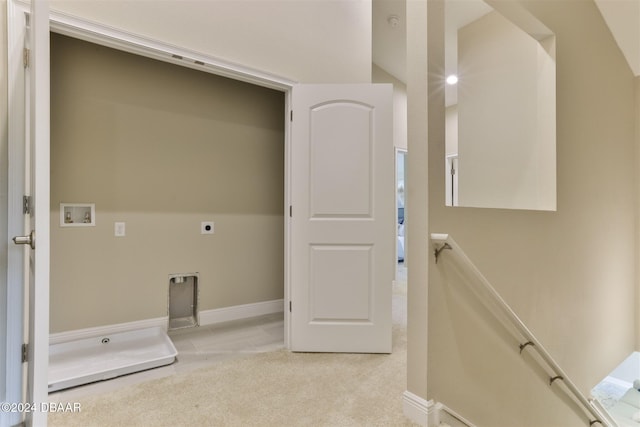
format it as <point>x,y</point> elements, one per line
<point>26,240</point>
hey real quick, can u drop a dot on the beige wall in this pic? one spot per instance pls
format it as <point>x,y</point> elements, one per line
<point>506,120</point>
<point>308,41</point>
<point>417,195</point>
<point>160,148</point>
<point>378,75</point>
<point>570,274</point>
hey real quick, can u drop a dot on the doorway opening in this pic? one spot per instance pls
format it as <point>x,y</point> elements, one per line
<point>160,150</point>
<point>401,159</point>
<point>400,283</point>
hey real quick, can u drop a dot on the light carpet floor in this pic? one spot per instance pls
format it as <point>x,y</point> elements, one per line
<point>270,389</point>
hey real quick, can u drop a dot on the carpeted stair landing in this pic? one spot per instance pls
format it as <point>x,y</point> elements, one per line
<point>268,389</point>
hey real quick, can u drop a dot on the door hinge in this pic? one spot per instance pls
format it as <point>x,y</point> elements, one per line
<point>289,306</point>
<point>291,115</point>
<point>290,211</point>
<point>26,204</point>
<point>25,351</point>
<point>25,57</point>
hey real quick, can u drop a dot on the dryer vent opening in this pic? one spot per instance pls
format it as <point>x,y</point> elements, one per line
<point>183,301</point>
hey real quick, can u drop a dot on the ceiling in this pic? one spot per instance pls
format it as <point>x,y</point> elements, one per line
<point>389,35</point>
<point>389,42</point>
<point>623,18</point>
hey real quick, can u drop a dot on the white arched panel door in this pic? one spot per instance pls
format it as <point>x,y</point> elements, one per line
<point>31,144</point>
<point>342,218</point>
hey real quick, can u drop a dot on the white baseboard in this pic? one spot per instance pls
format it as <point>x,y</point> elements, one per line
<point>236,312</point>
<point>207,317</point>
<point>416,408</point>
<point>451,418</point>
<point>429,413</point>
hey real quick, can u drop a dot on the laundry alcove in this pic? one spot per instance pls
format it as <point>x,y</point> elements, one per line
<point>161,148</point>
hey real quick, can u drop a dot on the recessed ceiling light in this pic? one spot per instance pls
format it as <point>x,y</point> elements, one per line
<point>452,79</point>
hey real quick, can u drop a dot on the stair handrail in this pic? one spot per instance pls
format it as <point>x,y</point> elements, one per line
<point>444,242</point>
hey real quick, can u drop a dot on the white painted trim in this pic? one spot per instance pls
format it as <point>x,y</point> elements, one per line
<point>416,408</point>
<point>16,220</point>
<point>429,413</point>
<point>207,317</point>
<point>80,28</point>
<point>451,417</point>
<point>226,314</point>
<point>93,32</point>
<point>288,202</point>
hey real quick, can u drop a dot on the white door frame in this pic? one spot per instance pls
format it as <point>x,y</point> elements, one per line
<point>110,37</point>
<point>16,33</point>
<point>28,278</point>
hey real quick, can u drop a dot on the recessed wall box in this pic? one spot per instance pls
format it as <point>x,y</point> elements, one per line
<point>77,214</point>
<point>183,300</point>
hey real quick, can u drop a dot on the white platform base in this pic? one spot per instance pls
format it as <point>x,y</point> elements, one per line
<point>94,359</point>
<point>80,357</point>
<point>206,317</point>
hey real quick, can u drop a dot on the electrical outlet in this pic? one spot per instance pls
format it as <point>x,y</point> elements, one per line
<point>119,229</point>
<point>206,227</point>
